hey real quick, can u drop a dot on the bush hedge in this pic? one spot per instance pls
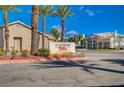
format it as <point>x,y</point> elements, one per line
<point>44,52</point>
<point>13,53</point>
<point>2,52</point>
<point>24,53</point>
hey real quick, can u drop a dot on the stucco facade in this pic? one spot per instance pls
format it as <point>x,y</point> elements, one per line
<point>20,37</point>
<point>106,40</point>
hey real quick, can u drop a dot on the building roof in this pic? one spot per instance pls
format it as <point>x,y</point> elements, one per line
<point>105,35</point>
<point>12,23</point>
<point>108,34</point>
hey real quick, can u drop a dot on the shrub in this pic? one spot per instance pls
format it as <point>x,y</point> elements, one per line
<point>67,54</point>
<point>57,55</point>
<point>106,47</point>
<point>44,52</point>
<point>121,48</point>
<point>24,53</point>
<point>64,54</point>
<point>82,54</point>
<point>2,53</point>
<point>13,53</point>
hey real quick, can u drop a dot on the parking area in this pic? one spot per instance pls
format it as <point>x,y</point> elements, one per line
<point>102,68</point>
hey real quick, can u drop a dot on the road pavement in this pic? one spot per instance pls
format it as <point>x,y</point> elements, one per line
<point>102,68</point>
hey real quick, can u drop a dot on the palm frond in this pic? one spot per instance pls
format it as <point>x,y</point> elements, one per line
<point>7,8</point>
<point>45,10</point>
<point>63,11</point>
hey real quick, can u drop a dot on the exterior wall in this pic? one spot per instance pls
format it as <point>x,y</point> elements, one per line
<point>18,30</point>
<point>109,43</point>
<point>40,41</point>
<point>96,42</point>
<point>1,38</point>
<point>92,41</point>
<point>122,43</point>
<point>119,42</point>
<point>113,43</point>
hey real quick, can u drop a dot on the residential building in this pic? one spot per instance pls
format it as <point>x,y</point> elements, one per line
<point>20,37</point>
<point>106,40</point>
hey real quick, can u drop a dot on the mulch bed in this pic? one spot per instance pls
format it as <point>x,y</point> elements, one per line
<point>19,59</point>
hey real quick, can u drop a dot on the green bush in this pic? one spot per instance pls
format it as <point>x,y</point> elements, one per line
<point>13,53</point>
<point>2,53</point>
<point>44,52</point>
<point>24,53</point>
<point>106,47</point>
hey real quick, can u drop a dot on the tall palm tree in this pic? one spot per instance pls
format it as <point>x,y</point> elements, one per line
<point>43,12</point>
<point>63,12</point>
<point>34,47</point>
<point>5,9</point>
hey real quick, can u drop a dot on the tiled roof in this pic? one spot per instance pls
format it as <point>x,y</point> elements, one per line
<point>105,35</point>
<point>108,34</point>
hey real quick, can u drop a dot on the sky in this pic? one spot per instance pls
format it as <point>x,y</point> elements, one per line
<point>87,19</point>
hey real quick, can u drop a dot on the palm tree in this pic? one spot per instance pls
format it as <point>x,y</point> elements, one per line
<point>5,9</point>
<point>84,42</point>
<point>63,12</point>
<point>55,33</point>
<point>43,12</point>
<point>34,47</point>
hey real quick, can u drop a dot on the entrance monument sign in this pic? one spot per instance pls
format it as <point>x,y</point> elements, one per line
<point>56,47</point>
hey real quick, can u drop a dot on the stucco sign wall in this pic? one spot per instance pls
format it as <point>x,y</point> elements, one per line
<point>56,47</point>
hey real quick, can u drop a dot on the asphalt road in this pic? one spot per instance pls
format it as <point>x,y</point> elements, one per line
<point>102,68</point>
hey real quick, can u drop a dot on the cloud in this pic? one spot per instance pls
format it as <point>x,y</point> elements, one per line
<point>72,32</point>
<point>17,10</point>
<point>90,12</point>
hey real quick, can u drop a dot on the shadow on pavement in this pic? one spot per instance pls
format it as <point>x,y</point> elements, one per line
<point>115,61</point>
<point>110,86</point>
<point>61,63</point>
<point>69,63</point>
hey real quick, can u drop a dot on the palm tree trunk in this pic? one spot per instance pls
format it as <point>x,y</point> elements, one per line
<point>6,32</point>
<point>62,33</point>
<point>34,47</point>
<point>43,31</point>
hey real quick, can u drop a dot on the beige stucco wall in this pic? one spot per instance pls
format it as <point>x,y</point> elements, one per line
<point>40,41</point>
<point>19,30</point>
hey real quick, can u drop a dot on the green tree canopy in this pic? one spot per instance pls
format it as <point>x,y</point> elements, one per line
<point>55,33</point>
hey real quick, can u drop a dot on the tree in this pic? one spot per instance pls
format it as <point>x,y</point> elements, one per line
<point>34,28</point>
<point>63,12</point>
<point>5,9</point>
<point>84,42</point>
<point>55,33</point>
<point>43,12</point>
<point>71,39</point>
